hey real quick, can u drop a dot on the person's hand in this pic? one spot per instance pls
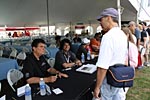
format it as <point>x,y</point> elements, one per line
<point>96,92</point>
<point>63,75</point>
<point>78,63</point>
<point>95,47</point>
<point>51,79</point>
<point>50,69</point>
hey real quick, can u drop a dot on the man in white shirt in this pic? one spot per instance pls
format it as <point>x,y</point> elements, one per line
<point>113,50</point>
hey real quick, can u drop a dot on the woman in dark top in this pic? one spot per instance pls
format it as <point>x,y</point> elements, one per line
<point>64,57</point>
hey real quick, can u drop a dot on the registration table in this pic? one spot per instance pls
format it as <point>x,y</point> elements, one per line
<point>73,87</point>
<point>5,65</point>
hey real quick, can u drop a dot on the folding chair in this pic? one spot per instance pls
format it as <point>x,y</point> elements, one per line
<point>1,53</point>
<point>21,57</point>
<point>13,76</point>
<point>51,61</point>
<point>0,86</point>
<point>13,53</point>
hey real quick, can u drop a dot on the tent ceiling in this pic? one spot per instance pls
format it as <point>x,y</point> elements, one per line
<point>33,12</point>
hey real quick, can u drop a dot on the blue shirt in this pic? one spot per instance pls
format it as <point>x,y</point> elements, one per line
<point>137,33</point>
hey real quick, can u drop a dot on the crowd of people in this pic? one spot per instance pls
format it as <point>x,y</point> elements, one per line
<point>113,45</point>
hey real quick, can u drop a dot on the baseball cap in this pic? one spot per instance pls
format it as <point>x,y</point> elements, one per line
<point>143,23</point>
<point>108,12</point>
<point>85,41</point>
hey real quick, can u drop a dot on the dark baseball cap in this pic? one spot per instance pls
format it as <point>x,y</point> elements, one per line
<point>143,23</point>
<point>108,12</point>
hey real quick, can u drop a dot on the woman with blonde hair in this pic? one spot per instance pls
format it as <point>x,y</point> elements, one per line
<point>132,51</point>
<point>132,54</point>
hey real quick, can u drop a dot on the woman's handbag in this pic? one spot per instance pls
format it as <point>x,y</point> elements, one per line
<point>120,76</point>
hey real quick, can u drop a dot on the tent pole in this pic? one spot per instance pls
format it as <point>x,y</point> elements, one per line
<point>119,12</point>
<point>47,7</point>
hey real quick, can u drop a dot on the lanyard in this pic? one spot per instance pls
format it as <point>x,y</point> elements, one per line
<point>67,58</point>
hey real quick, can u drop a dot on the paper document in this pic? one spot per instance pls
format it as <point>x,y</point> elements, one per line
<point>89,68</point>
<point>21,91</point>
<point>57,91</point>
<point>3,97</point>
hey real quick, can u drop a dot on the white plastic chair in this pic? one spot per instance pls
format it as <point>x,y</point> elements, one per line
<point>25,49</point>
<point>21,56</point>
<point>20,59</point>
<point>1,50</point>
<point>51,61</point>
<point>0,86</point>
<point>52,46</point>
<point>13,76</point>
<point>46,52</point>
<point>13,53</point>
<point>1,53</point>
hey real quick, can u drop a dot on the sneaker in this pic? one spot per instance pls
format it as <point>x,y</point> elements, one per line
<point>146,63</point>
<point>140,67</point>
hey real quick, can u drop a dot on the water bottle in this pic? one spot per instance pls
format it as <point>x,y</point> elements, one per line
<point>28,92</point>
<point>96,98</point>
<point>42,87</point>
<point>88,55</point>
<point>82,58</point>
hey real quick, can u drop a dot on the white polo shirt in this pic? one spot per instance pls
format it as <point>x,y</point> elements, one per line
<point>113,48</point>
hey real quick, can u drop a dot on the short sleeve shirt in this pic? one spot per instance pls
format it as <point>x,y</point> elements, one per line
<point>35,68</point>
<point>62,58</point>
<point>113,48</point>
<point>93,41</point>
<point>143,34</point>
<point>137,33</point>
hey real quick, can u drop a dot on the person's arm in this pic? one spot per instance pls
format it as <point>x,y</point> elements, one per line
<point>54,71</point>
<point>94,45</point>
<point>33,80</point>
<point>138,43</point>
<point>78,62</point>
<point>145,42</point>
<point>101,73</point>
<point>66,65</point>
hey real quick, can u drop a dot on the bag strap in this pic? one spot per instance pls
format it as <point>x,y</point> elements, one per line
<point>128,53</point>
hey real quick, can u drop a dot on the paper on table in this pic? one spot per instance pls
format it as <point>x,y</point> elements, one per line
<point>57,91</point>
<point>21,91</point>
<point>89,68</point>
<point>3,97</point>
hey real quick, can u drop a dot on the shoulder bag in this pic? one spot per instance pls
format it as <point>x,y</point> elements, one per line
<point>120,75</point>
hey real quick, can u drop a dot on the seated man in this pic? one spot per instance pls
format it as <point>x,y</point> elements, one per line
<point>57,39</point>
<point>64,57</point>
<point>36,67</point>
<point>95,42</point>
<point>77,39</point>
<point>83,48</point>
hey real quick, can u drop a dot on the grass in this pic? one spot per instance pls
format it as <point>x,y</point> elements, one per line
<point>141,88</point>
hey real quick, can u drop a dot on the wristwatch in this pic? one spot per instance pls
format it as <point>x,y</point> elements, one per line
<point>41,79</point>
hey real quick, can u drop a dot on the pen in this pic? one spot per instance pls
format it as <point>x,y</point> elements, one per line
<point>38,92</point>
<point>13,98</point>
<point>66,69</point>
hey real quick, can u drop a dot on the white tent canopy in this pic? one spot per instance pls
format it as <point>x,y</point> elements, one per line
<point>34,12</point>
